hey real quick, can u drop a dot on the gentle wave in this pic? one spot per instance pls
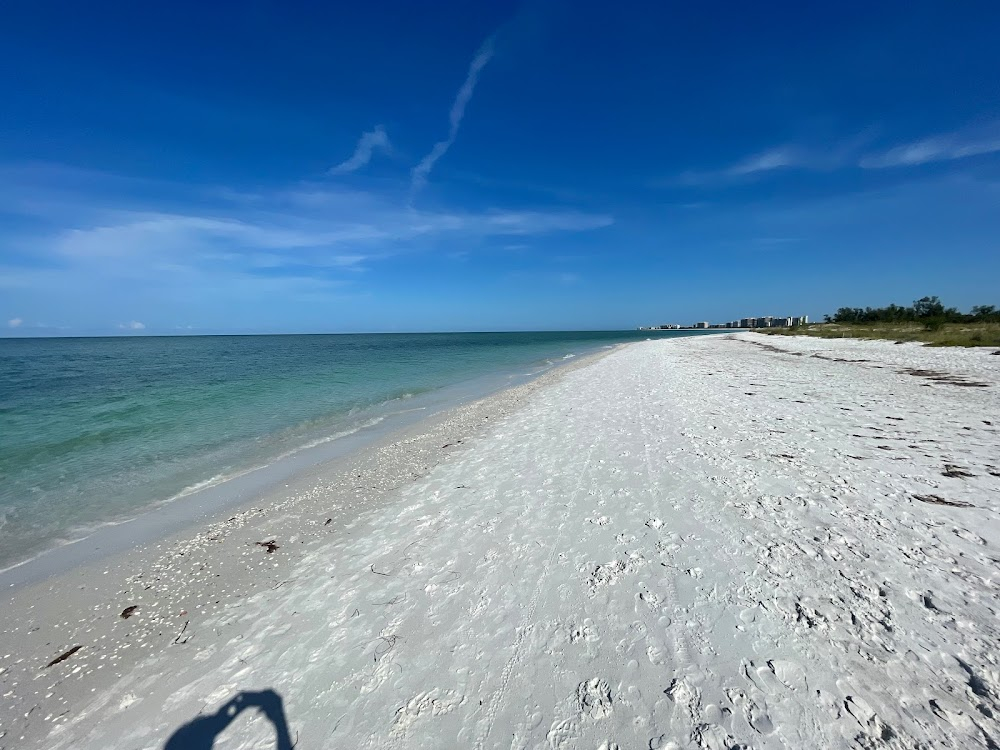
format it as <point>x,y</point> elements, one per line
<point>96,430</point>
<point>82,533</point>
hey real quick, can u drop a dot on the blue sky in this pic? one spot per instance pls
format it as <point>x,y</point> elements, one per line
<point>281,167</point>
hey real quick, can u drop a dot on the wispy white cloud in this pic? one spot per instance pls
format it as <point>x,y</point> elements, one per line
<point>368,144</point>
<point>171,240</point>
<point>93,252</point>
<point>948,147</point>
<point>14,323</point>
<point>766,161</point>
<point>537,222</point>
<point>423,169</point>
<point>300,230</point>
<point>136,234</point>
<point>132,325</point>
<point>826,157</point>
<point>747,168</point>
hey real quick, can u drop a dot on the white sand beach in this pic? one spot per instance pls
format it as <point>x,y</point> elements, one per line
<point>708,542</point>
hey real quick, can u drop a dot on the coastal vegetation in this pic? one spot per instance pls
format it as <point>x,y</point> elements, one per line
<point>927,320</point>
<point>929,311</point>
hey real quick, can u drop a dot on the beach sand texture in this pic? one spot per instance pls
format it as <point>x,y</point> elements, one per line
<point>717,542</point>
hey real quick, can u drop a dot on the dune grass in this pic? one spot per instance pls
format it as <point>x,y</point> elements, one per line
<point>946,334</point>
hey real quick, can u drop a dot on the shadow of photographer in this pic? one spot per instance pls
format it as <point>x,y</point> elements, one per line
<point>200,733</point>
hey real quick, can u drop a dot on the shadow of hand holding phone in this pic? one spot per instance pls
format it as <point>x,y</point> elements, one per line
<point>200,733</point>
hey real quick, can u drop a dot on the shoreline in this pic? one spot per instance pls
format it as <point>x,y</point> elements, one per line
<point>707,542</point>
<point>199,504</point>
<point>164,575</point>
<point>107,446</point>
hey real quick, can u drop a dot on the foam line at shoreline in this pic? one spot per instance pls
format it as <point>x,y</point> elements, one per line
<point>199,503</point>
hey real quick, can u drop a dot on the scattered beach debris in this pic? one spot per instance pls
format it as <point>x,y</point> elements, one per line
<point>63,657</point>
<point>178,638</point>
<point>449,445</point>
<point>956,471</point>
<point>269,546</point>
<point>387,644</point>
<point>775,349</point>
<point>938,500</point>
<point>129,611</point>
<point>377,572</point>
<point>328,522</point>
<point>395,600</point>
<point>942,377</point>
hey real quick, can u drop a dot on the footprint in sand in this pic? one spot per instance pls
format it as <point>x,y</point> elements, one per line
<point>755,714</point>
<point>584,632</point>
<point>593,699</point>
<point>561,734</point>
<point>435,702</point>
<point>610,573</point>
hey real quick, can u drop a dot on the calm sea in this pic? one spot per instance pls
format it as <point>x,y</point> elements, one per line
<point>94,430</point>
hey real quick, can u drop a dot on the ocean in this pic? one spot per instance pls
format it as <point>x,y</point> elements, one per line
<point>96,430</point>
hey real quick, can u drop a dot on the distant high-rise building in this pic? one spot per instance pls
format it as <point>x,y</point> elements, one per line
<point>766,321</point>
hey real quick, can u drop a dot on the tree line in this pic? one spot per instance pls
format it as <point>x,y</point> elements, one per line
<point>924,310</point>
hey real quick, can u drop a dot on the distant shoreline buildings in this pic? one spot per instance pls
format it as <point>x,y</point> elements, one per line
<point>768,321</point>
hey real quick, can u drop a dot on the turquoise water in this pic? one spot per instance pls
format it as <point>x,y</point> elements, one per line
<point>94,430</point>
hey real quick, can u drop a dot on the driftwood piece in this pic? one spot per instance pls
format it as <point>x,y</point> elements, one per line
<point>63,657</point>
<point>938,500</point>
